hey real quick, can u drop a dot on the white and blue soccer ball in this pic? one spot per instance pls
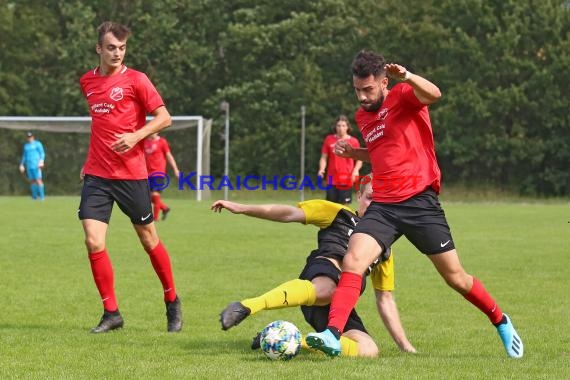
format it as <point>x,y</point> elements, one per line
<point>280,340</point>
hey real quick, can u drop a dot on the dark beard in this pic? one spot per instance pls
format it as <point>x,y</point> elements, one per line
<point>373,107</point>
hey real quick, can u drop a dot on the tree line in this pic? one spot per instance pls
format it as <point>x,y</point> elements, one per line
<point>502,66</point>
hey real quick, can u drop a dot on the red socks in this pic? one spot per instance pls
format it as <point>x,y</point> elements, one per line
<point>157,205</point>
<point>104,279</point>
<point>344,299</point>
<point>479,297</point>
<point>161,264</point>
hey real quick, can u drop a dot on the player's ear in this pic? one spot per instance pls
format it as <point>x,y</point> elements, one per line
<point>98,48</point>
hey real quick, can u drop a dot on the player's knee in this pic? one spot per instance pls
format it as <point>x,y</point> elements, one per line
<point>459,281</point>
<point>355,262</point>
<point>367,348</point>
<point>94,244</point>
<point>366,345</point>
<point>324,289</point>
<point>149,241</point>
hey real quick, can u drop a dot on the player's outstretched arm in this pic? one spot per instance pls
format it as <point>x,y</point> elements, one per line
<point>425,91</point>
<point>273,212</point>
<point>389,313</point>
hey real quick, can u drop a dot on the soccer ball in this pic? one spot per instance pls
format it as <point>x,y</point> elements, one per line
<point>280,340</point>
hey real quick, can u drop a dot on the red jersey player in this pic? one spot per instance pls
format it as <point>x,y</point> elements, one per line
<point>397,130</point>
<point>157,153</point>
<point>119,99</point>
<point>340,171</point>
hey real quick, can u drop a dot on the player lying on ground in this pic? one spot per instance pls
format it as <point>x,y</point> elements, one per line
<point>313,290</point>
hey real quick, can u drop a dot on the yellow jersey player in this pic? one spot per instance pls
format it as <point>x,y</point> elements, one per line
<point>313,289</point>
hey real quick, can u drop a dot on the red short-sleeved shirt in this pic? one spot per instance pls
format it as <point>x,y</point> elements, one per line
<point>117,104</point>
<point>339,168</point>
<point>155,151</point>
<point>399,139</point>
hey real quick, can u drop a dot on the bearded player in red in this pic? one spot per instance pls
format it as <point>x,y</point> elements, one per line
<point>396,127</point>
<point>157,153</point>
<point>119,99</point>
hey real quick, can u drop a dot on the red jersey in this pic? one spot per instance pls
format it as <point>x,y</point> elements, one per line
<point>117,104</point>
<point>339,168</point>
<point>399,139</point>
<point>155,151</point>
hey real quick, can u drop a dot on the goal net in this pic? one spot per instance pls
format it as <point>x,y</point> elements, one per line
<point>190,148</point>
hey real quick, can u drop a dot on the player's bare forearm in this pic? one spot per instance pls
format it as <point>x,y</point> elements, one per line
<point>360,154</point>
<point>273,212</point>
<point>172,163</point>
<point>160,121</point>
<point>391,318</point>
<point>322,165</point>
<point>425,91</point>
<point>126,141</point>
<point>344,149</point>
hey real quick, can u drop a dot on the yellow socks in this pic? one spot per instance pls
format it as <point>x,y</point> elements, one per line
<point>289,294</point>
<point>348,347</point>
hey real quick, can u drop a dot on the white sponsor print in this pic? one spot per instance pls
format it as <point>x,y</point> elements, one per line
<point>375,133</point>
<point>143,218</point>
<point>442,244</point>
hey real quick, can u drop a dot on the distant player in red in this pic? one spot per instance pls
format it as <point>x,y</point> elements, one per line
<point>157,153</point>
<point>119,99</point>
<point>341,172</point>
<point>396,127</point>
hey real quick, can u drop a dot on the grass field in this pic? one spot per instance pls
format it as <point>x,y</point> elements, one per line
<point>520,251</point>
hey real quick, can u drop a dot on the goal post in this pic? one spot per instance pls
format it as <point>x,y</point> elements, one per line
<point>82,124</point>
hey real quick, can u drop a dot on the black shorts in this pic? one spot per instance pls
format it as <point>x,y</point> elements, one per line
<point>339,196</point>
<point>420,219</point>
<point>318,316</point>
<point>99,194</point>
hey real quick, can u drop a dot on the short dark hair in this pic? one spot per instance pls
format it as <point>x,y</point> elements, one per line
<point>368,63</point>
<point>364,182</point>
<point>342,118</point>
<point>121,32</point>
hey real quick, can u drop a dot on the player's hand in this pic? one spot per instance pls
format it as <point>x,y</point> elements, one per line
<point>81,175</point>
<point>218,206</point>
<point>41,164</point>
<point>395,71</point>
<point>354,176</point>
<point>22,169</point>
<point>124,142</point>
<point>409,349</point>
<point>343,149</point>
<point>321,173</point>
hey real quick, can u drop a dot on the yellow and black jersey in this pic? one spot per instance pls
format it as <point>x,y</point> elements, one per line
<point>336,223</point>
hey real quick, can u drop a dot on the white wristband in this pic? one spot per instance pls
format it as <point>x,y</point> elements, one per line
<point>406,76</point>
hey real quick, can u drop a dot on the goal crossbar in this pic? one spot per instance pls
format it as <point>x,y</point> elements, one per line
<point>82,124</point>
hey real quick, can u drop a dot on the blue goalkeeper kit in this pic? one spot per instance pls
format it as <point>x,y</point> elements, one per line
<point>33,154</point>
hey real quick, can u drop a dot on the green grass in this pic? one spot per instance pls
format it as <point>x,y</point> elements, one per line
<point>518,250</point>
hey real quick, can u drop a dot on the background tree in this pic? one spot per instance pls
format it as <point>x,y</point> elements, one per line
<point>502,67</point>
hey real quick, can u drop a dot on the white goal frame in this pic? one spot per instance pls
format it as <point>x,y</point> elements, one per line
<point>82,124</point>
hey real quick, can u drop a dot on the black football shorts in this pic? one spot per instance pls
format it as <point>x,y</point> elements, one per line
<point>318,316</point>
<point>99,194</point>
<point>341,196</point>
<point>420,219</point>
